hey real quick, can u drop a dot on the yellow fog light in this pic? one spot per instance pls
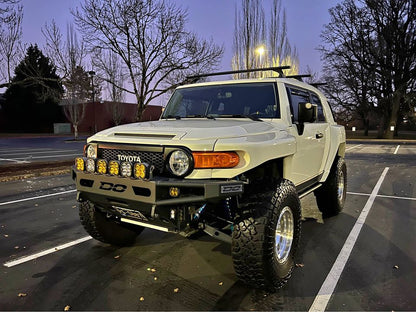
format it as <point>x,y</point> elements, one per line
<point>174,192</point>
<point>113,167</point>
<point>102,166</point>
<point>141,171</point>
<point>79,164</point>
<point>90,165</point>
<point>125,169</point>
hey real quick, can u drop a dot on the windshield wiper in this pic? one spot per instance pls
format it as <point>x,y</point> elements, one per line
<point>201,116</point>
<point>171,116</point>
<point>252,117</point>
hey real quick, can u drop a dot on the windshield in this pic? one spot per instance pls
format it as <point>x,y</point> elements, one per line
<point>257,100</point>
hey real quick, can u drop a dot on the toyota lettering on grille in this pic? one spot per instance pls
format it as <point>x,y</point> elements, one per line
<point>128,158</point>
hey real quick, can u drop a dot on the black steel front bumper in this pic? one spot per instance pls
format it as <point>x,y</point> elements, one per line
<point>156,191</point>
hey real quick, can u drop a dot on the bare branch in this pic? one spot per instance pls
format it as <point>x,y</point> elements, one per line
<point>150,41</point>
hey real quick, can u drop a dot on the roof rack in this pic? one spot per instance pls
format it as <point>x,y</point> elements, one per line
<point>299,77</point>
<point>317,84</point>
<point>278,70</point>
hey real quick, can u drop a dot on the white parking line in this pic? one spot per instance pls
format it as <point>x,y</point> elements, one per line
<point>327,288</point>
<point>384,196</point>
<point>397,149</point>
<point>13,263</point>
<point>352,147</point>
<point>14,160</point>
<point>36,197</point>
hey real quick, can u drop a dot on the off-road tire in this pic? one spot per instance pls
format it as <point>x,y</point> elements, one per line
<point>254,239</point>
<point>330,197</point>
<point>104,229</point>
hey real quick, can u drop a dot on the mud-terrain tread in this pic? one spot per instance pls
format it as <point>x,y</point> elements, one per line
<point>253,239</point>
<point>103,230</point>
<point>327,195</point>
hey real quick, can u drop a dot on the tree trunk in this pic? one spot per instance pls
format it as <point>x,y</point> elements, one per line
<point>389,134</point>
<point>366,122</point>
<point>75,131</point>
<point>381,127</point>
<point>140,108</point>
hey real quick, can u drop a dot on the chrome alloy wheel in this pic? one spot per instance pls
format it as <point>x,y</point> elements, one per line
<point>284,235</point>
<point>341,185</point>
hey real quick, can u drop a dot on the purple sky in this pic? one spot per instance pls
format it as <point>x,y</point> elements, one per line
<point>209,18</point>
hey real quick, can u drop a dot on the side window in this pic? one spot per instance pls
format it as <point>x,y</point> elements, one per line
<point>296,96</point>
<point>315,100</point>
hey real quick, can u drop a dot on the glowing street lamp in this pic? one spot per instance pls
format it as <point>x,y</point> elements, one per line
<point>260,51</point>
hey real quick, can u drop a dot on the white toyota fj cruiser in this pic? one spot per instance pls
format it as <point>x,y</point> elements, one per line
<point>231,158</point>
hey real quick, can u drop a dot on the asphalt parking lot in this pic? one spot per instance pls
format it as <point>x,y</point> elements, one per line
<point>38,149</point>
<point>362,259</point>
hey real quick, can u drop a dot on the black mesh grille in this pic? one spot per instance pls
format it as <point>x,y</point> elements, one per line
<point>152,158</point>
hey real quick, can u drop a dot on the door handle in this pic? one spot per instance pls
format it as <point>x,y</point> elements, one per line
<point>319,135</point>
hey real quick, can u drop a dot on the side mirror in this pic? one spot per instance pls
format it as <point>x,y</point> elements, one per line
<point>307,112</point>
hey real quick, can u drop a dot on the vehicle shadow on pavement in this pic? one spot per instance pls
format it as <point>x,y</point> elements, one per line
<point>366,271</point>
<point>183,274</point>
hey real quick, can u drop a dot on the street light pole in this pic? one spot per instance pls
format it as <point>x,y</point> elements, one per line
<point>92,74</point>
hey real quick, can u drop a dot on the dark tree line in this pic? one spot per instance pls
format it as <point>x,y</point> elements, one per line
<point>370,60</point>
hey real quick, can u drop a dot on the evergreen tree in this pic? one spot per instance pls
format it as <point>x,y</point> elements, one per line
<point>32,99</point>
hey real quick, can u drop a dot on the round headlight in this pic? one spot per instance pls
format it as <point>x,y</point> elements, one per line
<point>179,163</point>
<point>91,151</point>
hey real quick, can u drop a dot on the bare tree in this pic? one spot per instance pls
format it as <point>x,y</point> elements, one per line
<point>249,35</point>
<point>78,87</point>
<point>281,52</point>
<point>112,68</point>
<point>11,50</point>
<point>150,38</point>
<point>371,45</point>
<point>67,54</point>
<point>74,112</point>
<point>251,49</point>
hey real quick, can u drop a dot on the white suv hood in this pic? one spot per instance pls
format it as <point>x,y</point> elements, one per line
<point>199,134</point>
<point>188,129</point>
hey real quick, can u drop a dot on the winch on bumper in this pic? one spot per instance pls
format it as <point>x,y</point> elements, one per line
<point>166,204</point>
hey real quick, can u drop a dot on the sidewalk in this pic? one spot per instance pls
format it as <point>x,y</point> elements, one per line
<point>15,172</point>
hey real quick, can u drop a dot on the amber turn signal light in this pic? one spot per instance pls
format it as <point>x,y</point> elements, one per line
<point>205,160</point>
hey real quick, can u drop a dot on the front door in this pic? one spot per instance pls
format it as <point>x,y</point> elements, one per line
<point>312,143</point>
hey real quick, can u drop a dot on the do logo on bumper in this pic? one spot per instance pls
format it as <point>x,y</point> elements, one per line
<point>119,188</point>
<point>226,189</point>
